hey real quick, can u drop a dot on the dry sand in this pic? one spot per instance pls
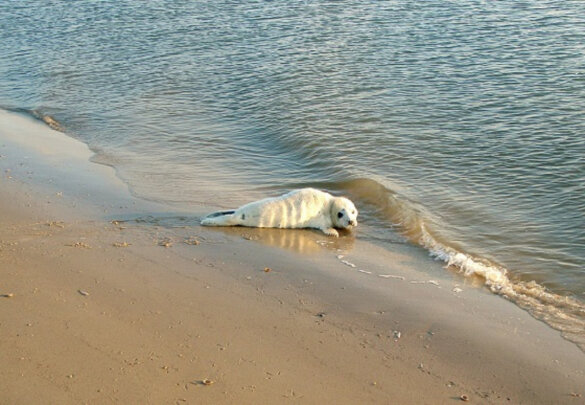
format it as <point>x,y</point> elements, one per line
<point>108,299</point>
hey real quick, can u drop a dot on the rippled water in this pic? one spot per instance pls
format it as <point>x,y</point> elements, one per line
<point>459,126</point>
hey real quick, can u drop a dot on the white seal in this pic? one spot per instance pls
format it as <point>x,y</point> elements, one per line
<point>304,208</point>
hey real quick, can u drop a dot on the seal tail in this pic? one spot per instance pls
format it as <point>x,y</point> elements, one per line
<point>219,218</point>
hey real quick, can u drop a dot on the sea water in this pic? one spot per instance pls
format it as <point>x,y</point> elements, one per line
<point>455,126</point>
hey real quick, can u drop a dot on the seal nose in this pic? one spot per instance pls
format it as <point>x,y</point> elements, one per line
<point>352,222</point>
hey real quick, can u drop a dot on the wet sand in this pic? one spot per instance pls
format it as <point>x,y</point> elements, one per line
<point>105,298</point>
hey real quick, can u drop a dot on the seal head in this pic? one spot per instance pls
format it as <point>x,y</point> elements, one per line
<point>343,213</point>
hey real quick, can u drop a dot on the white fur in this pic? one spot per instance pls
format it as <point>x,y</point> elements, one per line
<point>304,208</point>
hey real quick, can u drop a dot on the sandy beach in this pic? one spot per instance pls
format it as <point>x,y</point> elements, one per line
<point>105,298</point>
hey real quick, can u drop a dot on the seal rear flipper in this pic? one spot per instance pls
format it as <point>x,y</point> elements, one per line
<point>219,214</point>
<point>219,218</point>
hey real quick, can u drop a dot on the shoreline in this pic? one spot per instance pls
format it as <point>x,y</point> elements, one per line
<point>107,298</point>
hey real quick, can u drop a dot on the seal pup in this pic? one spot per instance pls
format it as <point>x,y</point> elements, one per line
<point>304,208</point>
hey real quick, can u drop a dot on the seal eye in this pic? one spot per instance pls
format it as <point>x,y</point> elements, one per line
<point>340,215</point>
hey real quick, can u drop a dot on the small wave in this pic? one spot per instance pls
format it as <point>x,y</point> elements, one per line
<point>560,312</point>
<point>418,225</point>
<point>47,119</point>
<point>51,122</point>
<point>36,114</point>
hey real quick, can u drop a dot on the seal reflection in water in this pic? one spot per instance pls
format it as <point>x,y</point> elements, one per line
<point>304,208</point>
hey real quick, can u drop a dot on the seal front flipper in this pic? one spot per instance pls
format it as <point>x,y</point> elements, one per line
<point>330,232</point>
<point>220,218</point>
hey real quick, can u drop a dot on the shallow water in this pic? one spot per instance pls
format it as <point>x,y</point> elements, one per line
<point>457,126</point>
